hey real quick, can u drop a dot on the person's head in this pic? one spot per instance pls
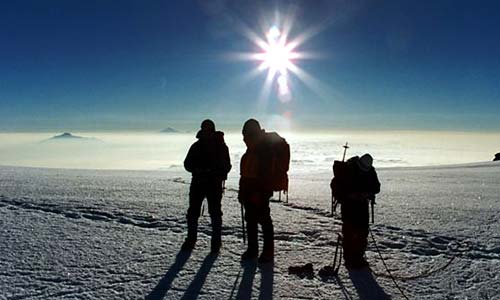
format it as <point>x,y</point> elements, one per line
<point>207,130</point>
<point>251,131</point>
<point>365,162</point>
<point>208,126</point>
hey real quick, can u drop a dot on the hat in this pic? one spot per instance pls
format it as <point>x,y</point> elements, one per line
<point>208,125</point>
<point>365,162</point>
<point>251,127</point>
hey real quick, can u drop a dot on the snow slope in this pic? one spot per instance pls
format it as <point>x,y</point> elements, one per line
<point>75,234</point>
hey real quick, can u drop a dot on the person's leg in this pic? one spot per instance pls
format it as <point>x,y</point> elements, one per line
<point>355,232</point>
<point>348,245</point>
<point>267,231</point>
<point>359,243</point>
<point>252,232</point>
<point>214,198</point>
<point>196,196</point>
<point>362,225</point>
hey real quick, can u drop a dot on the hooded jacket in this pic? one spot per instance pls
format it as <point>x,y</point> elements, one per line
<point>208,157</point>
<point>255,169</point>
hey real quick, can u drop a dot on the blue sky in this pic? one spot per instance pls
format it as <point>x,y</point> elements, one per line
<point>73,65</point>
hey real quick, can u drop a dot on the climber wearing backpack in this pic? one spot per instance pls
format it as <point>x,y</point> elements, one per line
<point>263,170</point>
<point>208,161</point>
<point>354,185</point>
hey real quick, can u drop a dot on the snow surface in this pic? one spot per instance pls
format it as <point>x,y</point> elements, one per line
<point>81,234</point>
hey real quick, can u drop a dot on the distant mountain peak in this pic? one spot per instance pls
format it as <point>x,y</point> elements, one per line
<point>169,130</point>
<point>67,135</point>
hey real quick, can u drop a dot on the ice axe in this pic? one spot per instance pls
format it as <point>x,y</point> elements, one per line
<point>346,146</point>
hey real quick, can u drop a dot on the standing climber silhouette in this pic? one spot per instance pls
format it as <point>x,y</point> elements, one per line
<point>208,161</point>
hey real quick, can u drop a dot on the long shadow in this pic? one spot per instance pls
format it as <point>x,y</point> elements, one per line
<point>195,286</point>
<point>246,284</point>
<point>234,285</point>
<point>343,288</point>
<point>266,281</point>
<point>336,279</point>
<point>165,283</point>
<point>366,285</point>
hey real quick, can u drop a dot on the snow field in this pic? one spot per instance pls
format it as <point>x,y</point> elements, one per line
<point>70,234</point>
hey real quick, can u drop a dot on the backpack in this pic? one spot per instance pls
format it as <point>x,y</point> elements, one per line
<point>349,178</point>
<point>280,161</point>
<point>341,181</point>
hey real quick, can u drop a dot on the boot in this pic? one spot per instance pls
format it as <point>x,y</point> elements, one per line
<point>188,245</point>
<point>215,246</point>
<point>252,242</point>
<point>266,256</point>
<point>250,254</point>
<point>216,236</point>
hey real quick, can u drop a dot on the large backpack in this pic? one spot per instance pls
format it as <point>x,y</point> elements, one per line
<point>280,161</point>
<point>342,178</point>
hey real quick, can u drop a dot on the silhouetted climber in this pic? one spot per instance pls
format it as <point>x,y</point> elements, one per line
<point>256,186</point>
<point>208,161</point>
<point>354,186</point>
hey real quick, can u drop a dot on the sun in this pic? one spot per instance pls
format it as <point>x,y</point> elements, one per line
<point>279,55</point>
<point>276,55</point>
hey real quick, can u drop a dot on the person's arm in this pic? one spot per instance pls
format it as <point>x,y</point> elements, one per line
<point>375,188</point>
<point>226,160</point>
<point>189,162</point>
<point>242,185</point>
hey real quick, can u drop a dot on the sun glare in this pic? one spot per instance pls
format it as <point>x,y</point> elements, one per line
<point>278,55</point>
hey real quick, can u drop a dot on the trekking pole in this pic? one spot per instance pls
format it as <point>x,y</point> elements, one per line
<point>372,204</point>
<point>334,267</point>
<point>243,225</point>
<point>336,271</point>
<point>334,204</point>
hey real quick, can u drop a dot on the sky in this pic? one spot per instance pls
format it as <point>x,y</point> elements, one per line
<point>146,65</point>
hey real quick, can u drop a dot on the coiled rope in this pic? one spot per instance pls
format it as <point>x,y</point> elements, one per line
<point>421,275</point>
<point>385,265</point>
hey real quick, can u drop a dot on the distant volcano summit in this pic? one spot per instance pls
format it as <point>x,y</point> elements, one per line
<point>66,135</point>
<point>170,130</point>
